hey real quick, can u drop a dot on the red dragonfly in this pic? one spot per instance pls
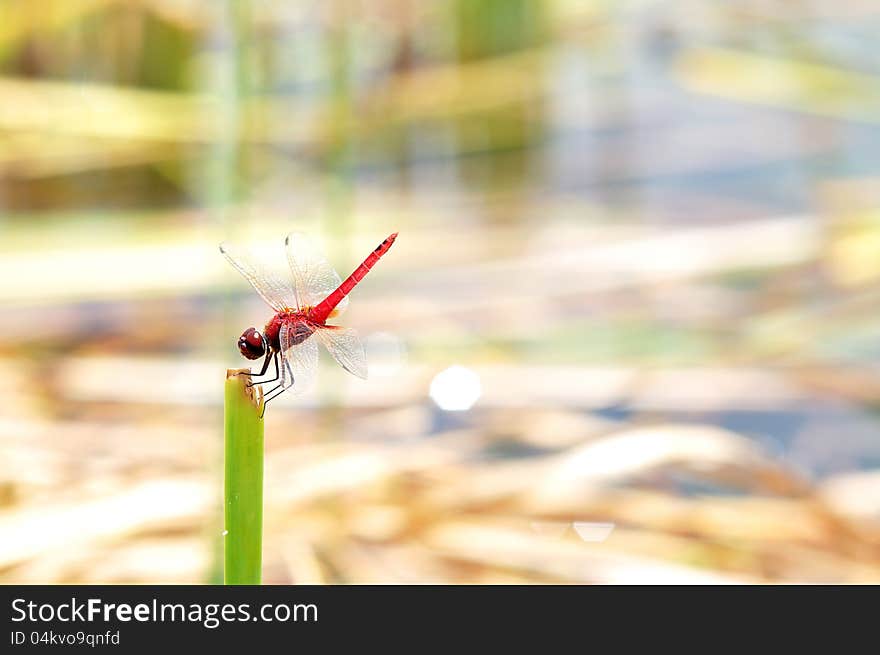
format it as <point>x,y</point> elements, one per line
<point>303,301</point>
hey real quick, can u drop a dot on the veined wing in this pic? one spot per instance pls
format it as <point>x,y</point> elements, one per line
<point>313,276</point>
<point>302,360</point>
<point>272,286</point>
<point>346,348</point>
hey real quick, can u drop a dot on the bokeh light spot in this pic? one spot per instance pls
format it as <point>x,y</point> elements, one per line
<point>456,389</point>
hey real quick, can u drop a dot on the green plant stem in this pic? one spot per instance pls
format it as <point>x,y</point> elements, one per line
<point>243,486</point>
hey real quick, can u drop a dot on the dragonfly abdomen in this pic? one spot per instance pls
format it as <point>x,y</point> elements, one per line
<point>321,311</point>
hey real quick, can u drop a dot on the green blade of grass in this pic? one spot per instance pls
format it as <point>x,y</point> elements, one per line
<point>243,487</point>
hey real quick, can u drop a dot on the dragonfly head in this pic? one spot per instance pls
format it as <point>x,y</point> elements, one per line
<point>252,344</point>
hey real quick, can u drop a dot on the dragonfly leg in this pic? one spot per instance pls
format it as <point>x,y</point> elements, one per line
<point>252,382</point>
<point>267,399</point>
<point>276,391</point>
<point>263,370</point>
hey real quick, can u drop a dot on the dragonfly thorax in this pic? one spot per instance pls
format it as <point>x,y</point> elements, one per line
<point>299,328</point>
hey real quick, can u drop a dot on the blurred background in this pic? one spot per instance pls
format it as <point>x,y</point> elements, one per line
<point>629,331</point>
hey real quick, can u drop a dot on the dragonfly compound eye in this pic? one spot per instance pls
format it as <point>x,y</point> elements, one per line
<point>251,344</point>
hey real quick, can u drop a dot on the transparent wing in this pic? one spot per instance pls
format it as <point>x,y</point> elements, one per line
<point>273,286</point>
<point>313,276</point>
<point>301,360</point>
<point>346,348</point>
